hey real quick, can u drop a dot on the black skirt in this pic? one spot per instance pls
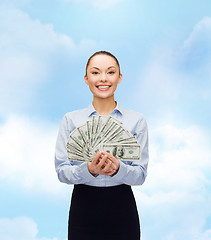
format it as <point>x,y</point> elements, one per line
<point>103,213</point>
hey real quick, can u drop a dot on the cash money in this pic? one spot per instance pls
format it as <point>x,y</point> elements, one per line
<point>102,133</point>
<point>124,152</point>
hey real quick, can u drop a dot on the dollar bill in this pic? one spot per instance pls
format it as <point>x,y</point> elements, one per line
<point>77,137</point>
<point>102,133</point>
<point>75,146</point>
<point>124,152</point>
<point>75,157</point>
<point>84,133</point>
<point>106,122</point>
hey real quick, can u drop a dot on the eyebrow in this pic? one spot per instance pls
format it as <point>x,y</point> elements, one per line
<point>107,68</point>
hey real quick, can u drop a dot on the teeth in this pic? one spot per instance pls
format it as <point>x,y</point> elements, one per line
<point>103,87</point>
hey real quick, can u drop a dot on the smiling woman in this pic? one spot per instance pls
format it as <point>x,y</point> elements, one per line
<point>103,206</point>
<point>102,76</point>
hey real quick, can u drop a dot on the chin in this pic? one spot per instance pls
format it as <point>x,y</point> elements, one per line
<point>103,96</point>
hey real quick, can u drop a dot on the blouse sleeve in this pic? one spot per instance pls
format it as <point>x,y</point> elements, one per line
<point>134,173</point>
<point>67,171</point>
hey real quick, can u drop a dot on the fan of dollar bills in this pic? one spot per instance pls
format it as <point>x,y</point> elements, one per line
<point>102,133</point>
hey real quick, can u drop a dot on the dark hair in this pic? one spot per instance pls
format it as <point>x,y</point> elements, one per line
<point>102,53</point>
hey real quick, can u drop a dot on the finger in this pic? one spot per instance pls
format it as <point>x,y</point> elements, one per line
<point>110,156</point>
<point>108,167</point>
<point>114,166</point>
<point>107,161</point>
<point>110,173</point>
<point>115,161</point>
<point>96,158</point>
<point>102,162</point>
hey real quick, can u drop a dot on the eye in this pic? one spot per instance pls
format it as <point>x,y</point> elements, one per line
<point>95,72</point>
<point>111,72</point>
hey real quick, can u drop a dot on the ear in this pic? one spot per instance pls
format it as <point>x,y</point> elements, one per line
<point>120,78</point>
<point>86,79</point>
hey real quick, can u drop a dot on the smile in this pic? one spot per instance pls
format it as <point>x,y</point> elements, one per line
<point>103,87</point>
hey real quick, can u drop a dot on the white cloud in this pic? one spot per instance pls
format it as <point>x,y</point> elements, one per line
<point>206,235</point>
<point>21,228</point>
<point>160,80</point>
<point>27,154</point>
<point>31,52</point>
<point>19,31</point>
<point>178,76</point>
<point>27,49</point>
<point>196,51</point>
<point>18,228</point>
<point>175,201</point>
<point>201,34</point>
<point>184,149</point>
<point>100,4</point>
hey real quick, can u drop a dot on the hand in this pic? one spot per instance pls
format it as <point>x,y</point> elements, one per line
<point>115,161</point>
<point>103,164</point>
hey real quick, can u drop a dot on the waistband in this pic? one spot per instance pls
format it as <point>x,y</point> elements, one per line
<point>84,187</point>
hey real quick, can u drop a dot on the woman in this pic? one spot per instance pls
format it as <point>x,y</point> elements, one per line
<point>102,205</point>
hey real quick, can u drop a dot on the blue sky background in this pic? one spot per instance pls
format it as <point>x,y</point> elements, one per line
<point>164,49</point>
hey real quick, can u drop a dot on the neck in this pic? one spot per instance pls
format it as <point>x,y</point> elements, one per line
<point>104,106</point>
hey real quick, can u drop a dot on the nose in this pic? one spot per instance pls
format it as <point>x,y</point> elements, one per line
<point>103,77</point>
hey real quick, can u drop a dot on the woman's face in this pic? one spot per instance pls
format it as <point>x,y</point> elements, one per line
<point>102,76</point>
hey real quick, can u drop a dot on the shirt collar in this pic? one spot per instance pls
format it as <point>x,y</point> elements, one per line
<point>118,108</point>
<point>91,110</point>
